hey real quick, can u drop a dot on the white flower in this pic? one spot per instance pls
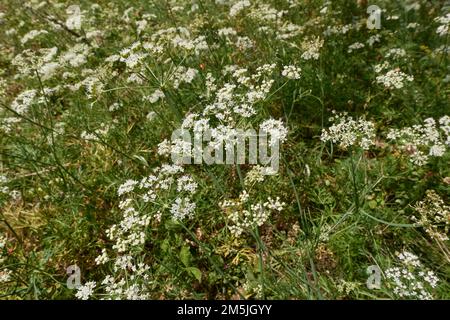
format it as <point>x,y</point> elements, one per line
<point>274,205</point>
<point>186,183</point>
<point>291,72</point>
<point>102,258</point>
<point>373,39</point>
<point>23,101</point>
<point>31,35</point>
<point>123,262</point>
<point>382,66</point>
<point>416,140</point>
<point>409,258</point>
<point>412,25</point>
<point>76,55</point>
<point>244,43</point>
<point>115,106</point>
<point>47,70</point>
<point>127,187</point>
<point>74,18</point>
<point>238,7</point>
<point>182,208</point>
<point>85,291</point>
<point>394,79</point>
<point>349,132</point>
<point>164,147</point>
<point>155,96</point>
<point>5,275</point>
<point>256,174</point>
<point>183,74</point>
<point>442,30</point>
<point>311,48</point>
<point>225,32</point>
<point>396,53</point>
<point>242,220</point>
<point>244,110</point>
<point>437,150</point>
<point>276,129</point>
<point>410,280</point>
<point>151,115</point>
<point>355,46</point>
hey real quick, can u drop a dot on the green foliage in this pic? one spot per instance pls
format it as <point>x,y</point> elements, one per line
<point>345,209</point>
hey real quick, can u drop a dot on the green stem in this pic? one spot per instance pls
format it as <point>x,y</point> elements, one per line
<point>355,187</point>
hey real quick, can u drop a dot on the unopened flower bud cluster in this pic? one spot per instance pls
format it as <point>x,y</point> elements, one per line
<point>433,216</point>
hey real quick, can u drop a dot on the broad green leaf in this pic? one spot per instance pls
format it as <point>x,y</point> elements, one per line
<point>185,256</point>
<point>195,272</point>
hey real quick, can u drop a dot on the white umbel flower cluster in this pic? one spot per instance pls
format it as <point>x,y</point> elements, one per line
<point>13,194</point>
<point>238,7</point>
<point>394,79</point>
<point>348,132</point>
<point>130,234</point>
<point>23,101</point>
<point>182,208</point>
<point>276,129</point>
<point>257,174</point>
<point>233,103</point>
<point>31,35</point>
<point>291,72</point>
<point>169,191</point>
<point>155,96</point>
<point>444,26</point>
<point>355,46</point>
<point>410,279</point>
<point>3,241</point>
<point>245,216</point>
<point>74,17</point>
<point>4,273</point>
<point>85,291</point>
<point>311,49</point>
<point>396,53</point>
<point>421,142</point>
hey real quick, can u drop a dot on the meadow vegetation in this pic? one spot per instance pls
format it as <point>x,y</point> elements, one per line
<point>91,91</point>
